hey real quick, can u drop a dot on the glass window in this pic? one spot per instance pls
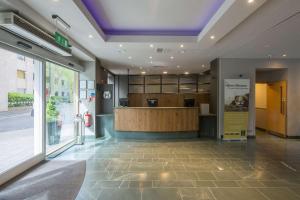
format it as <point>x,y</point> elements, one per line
<point>136,88</point>
<point>188,88</point>
<point>21,74</point>
<point>188,79</point>
<point>152,89</point>
<point>136,79</point>
<point>61,109</point>
<point>170,79</point>
<point>20,109</point>
<point>152,80</point>
<point>169,88</point>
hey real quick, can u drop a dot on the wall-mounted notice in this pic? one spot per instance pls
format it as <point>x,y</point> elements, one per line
<point>82,84</point>
<point>82,94</point>
<point>91,85</point>
<point>236,108</point>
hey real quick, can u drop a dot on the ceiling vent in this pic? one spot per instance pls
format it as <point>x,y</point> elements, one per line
<point>24,29</point>
<point>162,50</point>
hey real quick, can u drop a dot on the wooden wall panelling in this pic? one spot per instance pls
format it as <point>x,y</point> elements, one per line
<point>157,119</point>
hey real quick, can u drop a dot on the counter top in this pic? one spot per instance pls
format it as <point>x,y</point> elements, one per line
<point>156,107</point>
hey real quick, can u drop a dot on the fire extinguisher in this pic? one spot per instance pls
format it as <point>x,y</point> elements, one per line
<point>87,119</point>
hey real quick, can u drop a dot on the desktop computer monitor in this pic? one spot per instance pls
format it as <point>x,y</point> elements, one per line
<point>123,102</point>
<point>152,102</point>
<point>189,102</point>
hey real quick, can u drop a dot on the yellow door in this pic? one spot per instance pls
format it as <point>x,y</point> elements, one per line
<point>276,108</point>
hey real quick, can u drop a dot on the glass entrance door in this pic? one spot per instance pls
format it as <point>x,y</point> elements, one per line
<point>61,106</point>
<point>21,104</point>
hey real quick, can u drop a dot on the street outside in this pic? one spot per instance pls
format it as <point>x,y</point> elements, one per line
<point>17,134</point>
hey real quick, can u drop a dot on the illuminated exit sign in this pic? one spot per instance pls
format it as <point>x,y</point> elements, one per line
<point>61,40</point>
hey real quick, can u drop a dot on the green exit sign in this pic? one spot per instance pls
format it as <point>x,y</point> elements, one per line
<point>61,40</point>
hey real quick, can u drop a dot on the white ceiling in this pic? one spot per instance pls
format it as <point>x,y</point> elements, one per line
<point>249,38</point>
<point>155,14</point>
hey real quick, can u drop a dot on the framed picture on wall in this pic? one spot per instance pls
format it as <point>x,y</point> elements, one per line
<point>91,85</point>
<point>82,94</point>
<point>82,84</point>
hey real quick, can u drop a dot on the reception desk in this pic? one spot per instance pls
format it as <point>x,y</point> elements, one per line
<point>156,119</point>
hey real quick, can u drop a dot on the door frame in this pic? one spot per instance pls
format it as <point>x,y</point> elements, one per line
<point>32,161</point>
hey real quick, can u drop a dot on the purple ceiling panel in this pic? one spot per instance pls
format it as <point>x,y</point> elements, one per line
<point>97,12</point>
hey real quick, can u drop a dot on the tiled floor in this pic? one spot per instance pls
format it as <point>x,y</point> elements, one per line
<point>265,168</point>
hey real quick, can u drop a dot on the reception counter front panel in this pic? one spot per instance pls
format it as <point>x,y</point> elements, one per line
<point>158,119</point>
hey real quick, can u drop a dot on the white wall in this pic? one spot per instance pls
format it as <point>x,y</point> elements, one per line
<point>246,68</point>
<point>84,105</point>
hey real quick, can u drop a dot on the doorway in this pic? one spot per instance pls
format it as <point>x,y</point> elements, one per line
<point>271,102</point>
<point>61,106</point>
<point>21,112</point>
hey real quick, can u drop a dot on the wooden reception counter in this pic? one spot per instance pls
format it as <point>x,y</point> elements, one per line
<point>156,119</point>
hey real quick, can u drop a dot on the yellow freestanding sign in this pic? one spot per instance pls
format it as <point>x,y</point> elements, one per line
<point>236,109</point>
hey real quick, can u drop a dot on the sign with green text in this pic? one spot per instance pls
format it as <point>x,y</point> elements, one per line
<point>61,40</point>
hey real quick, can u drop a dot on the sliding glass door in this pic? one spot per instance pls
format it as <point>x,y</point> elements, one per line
<point>61,106</point>
<point>21,104</point>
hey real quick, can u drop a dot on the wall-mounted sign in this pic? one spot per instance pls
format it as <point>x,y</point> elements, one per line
<point>107,94</point>
<point>236,108</point>
<point>82,94</point>
<point>61,40</point>
<point>82,84</point>
<point>91,85</point>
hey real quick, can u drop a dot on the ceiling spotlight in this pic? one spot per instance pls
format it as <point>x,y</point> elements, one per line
<point>165,72</point>
<point>150,57</point>
<point>172,57</point>
<point>120,45</point>
<point>250,1</point>
<point>91,36</point>
<point>129,57</point>
<point>181,46</point>
<point>203,65</point>
<point>151,45</point>
<point>186,73</point>
<point>212,37</point>
<point>143,72</point>
<point>178,66</point>
<point>284,55</point>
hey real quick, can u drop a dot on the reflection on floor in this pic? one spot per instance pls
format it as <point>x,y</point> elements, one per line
<point>263,168</point>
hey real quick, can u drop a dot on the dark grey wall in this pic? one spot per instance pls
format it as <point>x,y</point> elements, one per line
<point>214,71</point>
<point>233,68</point>
<point>121,88</point>
<point>267,76</point>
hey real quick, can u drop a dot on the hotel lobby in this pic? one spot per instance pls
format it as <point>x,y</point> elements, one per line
<point>149,99</point>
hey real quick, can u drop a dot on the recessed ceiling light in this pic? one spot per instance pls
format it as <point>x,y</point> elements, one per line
<point>250,1</point>
<point>151,45</point>
<point>151,62</point>
<point>186,73</point>
<point>212,37</point>
<point>181,46</point>
<point>172,57</point>
<point>120,45</point>
<point>178,66</point>
<point>143,72</point>
<point>203,65</point>
<point>91,36</point>
<point>129,57</point>
<point>150,57</point>
<point>284,55</point>
<point>165,72</point>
